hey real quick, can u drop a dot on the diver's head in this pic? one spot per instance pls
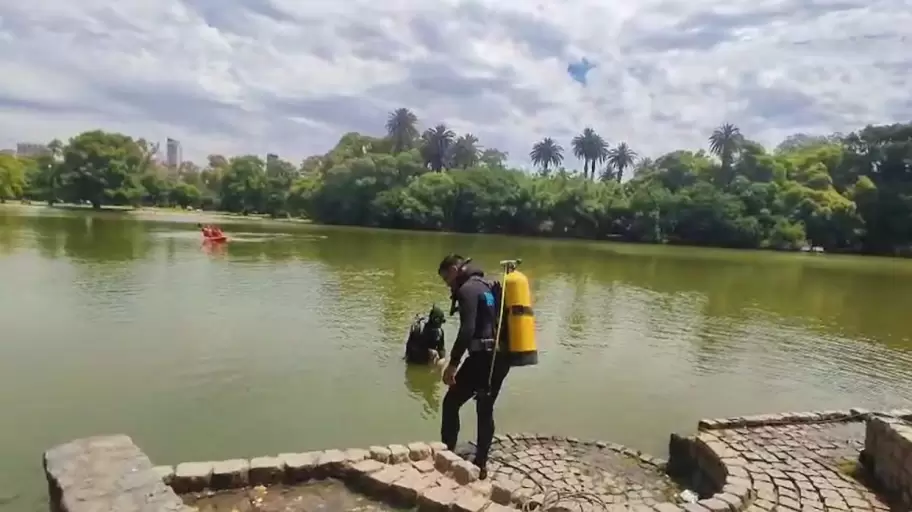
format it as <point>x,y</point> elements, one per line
<point>450,268</point>
<point>436,318</point>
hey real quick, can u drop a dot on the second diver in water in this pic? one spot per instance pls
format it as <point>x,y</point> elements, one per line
<point>425,344</point>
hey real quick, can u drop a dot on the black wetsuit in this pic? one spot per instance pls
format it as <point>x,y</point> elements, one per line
<point>424,336</point>
<point>478,309</point>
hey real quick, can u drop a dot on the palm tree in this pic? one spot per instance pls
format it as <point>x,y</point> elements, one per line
<point>644,166</point>
<point>621,158</point>
<point>546,153</point>
<point>401,129</point>
<point>725,142</point>
<point>591,148</point>
<point>465,152</point>
<point>435,146</point>
<point>493,158</point>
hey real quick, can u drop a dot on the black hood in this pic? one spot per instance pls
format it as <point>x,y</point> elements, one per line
<point>468,270</point>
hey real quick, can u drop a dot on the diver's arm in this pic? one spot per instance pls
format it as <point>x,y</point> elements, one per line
<point>440,347</point>
<point>468,312</point>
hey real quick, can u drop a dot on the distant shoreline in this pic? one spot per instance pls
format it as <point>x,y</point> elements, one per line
<point>154,210</point>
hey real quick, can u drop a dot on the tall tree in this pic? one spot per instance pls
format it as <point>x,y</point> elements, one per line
<point>620,158</point>
<point>493,158</point>
<point>547,153</point>
<point>102,167</point>
<point>465,151</point>
<point>402,129</point>
<point>591,148</point>
<point>436,144</point>
<point>725,142</point>
<point>12,177</point>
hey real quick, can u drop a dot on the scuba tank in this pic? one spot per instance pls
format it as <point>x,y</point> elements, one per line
<point>516,300</point>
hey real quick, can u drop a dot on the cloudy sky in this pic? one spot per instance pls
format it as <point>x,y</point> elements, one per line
<point>290,76</point>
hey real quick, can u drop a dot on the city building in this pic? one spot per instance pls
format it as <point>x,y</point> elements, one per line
<point>31,149</point>
<point>174,155</point>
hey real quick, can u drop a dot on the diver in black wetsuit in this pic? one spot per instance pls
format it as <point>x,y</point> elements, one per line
<point>425,344</point>
<point>478,304</point>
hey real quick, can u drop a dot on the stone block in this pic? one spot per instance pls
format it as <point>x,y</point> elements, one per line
<point>105,473</point>
<point>667,507</point>
<point>230,474</point>
<point>502,491</point>
<point>266,471</point>
<point>482,487</point>
<point>423,466</point>
<point>714,505</point>
<point>497,507</point>
<point>380,453</point>
<point>299,467</point>
<point>694,507</point>
<point>464,472</point>
<point>166,473</point>
<point>368,466</point>
<point>406,489</point>
<point>380,483</point>
<point>354,455</point>
<point>469,502</point>
<point>192,477</point>
<point>734,502</point>
<point>437,446</point>
<point>398,454</point>
<point>444,460</point>
<point>419,451</point>
<point>436,499</point>
<point>331,464</point>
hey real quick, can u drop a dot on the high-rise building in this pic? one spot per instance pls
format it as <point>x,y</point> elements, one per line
<point>31,149</point>
<point>174,155</point>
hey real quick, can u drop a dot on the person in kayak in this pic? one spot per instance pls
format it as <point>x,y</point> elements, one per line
<point>207,232</point>
<point>425,344</point>
<point>477,303</point>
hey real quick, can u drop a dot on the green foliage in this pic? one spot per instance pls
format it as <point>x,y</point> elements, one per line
<point>843,193</point>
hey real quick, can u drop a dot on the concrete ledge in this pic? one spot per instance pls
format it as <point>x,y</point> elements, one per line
<point>110,473</point>
<point>887,457</point>
<point>106,473</point>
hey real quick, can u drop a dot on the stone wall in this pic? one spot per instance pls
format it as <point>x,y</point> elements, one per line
<point>887,456</point>
<point>753,463</point>
<point>106,474</point>
<point>792,460</point>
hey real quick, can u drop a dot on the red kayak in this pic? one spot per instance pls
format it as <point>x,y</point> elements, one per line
<point>215,239</point>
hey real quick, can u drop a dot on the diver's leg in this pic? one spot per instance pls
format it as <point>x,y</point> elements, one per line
<point>456,396</point>
<point>484,409</point>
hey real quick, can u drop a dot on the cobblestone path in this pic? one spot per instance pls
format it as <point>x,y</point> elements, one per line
<point>801,467</point>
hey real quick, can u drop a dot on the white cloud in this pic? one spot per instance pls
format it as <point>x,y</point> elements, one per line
<point>286,76</point>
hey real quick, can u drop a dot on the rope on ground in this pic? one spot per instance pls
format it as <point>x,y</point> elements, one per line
<point>553,496</point>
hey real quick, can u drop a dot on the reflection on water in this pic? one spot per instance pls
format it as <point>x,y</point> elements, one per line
<point>291,336</point>
<point>423,383</point>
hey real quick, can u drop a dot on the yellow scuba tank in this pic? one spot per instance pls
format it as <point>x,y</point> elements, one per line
<point>516,300</point>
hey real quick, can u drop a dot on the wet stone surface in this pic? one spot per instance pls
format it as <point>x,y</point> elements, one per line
<point>322,496</point>
<point>802,467</point>
<point>616,477</point>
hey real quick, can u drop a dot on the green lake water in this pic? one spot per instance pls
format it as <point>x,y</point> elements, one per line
<point>290,337</point>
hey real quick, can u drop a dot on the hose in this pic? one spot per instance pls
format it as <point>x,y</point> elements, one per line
<point>552,496</point>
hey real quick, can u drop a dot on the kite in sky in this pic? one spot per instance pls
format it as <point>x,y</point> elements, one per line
<point>579,70</point>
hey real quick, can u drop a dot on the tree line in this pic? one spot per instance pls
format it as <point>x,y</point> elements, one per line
<point>848,193</point>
